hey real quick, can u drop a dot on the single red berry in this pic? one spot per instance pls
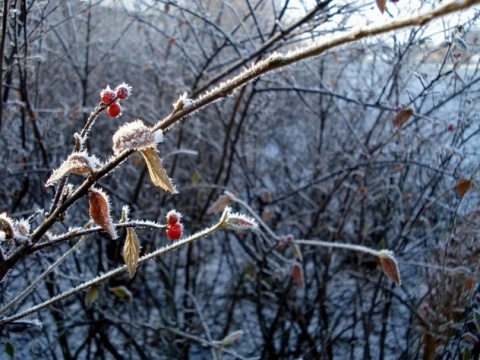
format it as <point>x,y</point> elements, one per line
<point>174,231</point>
<point>450,127</point>
<point>107,95</point>
<point>173,217</point>
<point>114,109</point>
<point>123,91</point>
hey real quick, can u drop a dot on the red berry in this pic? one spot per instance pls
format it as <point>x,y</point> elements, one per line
<point>174,231</point>
<point>173,217</point>
<point>450,127</point>
<point>107,95</point>
<point>123,91</point>
<point>114,109</point>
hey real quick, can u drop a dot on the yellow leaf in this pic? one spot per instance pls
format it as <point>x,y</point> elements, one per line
<point>297,253</point>
<point>157,172</point>
<point>92,295</point>
<point>122,292</point>
<point>131,251</point>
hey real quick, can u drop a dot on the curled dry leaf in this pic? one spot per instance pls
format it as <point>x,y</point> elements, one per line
<point>131,251</point>
<point>157,172</point>
<point>8,225</point>
<point>284,241</point>
<point>389,265</point>
<point>99,207</point>
<point>297,274</point>
<point>462,186</point>
<point>402,117</point>
<point>220,205</point>
<point>76,163</point>
<point>470,337</point>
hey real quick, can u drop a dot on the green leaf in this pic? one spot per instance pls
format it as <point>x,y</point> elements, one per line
<point>466,354</point>
<point>381,244</point>
<point>9,349</point>
<point>196,177</point>
<point>122,292</point>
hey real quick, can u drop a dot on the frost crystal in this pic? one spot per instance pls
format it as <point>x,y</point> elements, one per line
<point>182,102</point>
<point>135,136</point>
<point>23,227</point>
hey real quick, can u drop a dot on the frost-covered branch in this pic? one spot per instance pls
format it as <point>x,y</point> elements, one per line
<point>276,60</point>
<point>228,220</point>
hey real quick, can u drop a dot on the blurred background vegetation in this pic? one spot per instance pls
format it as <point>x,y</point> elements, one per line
<point>312,148</point>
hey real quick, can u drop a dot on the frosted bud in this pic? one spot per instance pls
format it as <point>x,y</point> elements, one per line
<point>135,136</point>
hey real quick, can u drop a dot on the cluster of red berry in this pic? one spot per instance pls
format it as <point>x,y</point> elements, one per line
<point>111,98</point>
<point>174,227</point>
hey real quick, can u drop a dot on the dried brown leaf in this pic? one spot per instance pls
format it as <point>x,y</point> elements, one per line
<point>462,186</point>
<point>3,266</point>
<point>402,116</point>
<point>381,4</point>
<point>157,172</point>
<point>297,274</point>
<point>267,214</point>
<point>220,205</point>
<point>389,265</point>
<point>131,251</point>
<point>76,163</point>
<point>469,282</point>
<point>470,337</point>
<point>100,211</point>
<point>8,225</point>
